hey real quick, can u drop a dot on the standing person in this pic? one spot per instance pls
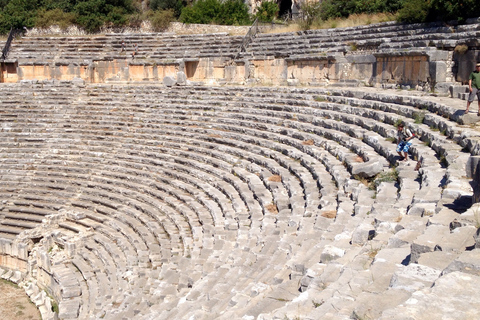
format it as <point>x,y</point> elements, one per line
<point>135,50</point>
<point>123,46</point>
<point>404,140</point>
<point>474,86</point>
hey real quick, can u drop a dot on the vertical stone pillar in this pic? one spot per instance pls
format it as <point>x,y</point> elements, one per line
<point>473,172</point>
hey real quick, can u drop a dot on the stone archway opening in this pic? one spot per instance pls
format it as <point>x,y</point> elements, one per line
<point>285,8</point>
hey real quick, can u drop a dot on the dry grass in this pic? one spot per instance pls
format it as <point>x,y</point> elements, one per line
<point>275,178</point>
<point>308,142</point>
<point>352,21</point>
<point>329,214</point>
<point>272,208</point>
<point>214,135</point>
<point>359,159</point>
<point>355,20</point>
<point>282,28</point>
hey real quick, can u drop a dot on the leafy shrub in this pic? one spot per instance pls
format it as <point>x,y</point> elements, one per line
<point>233,12</point>
<point>202,11</point>
<point>17,14</point>
<point>330,9</point>
<point>267,11</point>
<point>93,14</point>
<point>461,48</point>
<point>311,11</point>
<point>161,19</point>
<point>56,16</point>
<point>414,11</point>
<point>175,5</point>
<point>228,12</point>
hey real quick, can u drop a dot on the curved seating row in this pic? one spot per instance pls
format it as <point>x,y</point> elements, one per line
<point>192,201</point>
<point>166,46</point>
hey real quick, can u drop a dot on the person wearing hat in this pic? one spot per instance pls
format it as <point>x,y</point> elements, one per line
<point>474,86</point>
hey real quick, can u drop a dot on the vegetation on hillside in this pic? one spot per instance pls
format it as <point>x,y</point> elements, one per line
<point>92,15</point>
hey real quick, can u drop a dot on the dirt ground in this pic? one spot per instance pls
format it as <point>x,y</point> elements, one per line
<point>15,304</point>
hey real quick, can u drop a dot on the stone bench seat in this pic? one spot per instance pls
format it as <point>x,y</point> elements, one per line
<point>95,204</point>
<point>122,234</point>
<point>155,181</point>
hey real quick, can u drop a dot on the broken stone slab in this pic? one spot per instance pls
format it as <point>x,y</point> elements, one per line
<point>68,309</point>
<point>330,253</point>
<point>422,209</point>
<point>402,238</point>
<point>169,81</point>
<point>362,234</point>
<point>368,169</point>
<point>414,277</point>
<point>181,78</point>
<point>439,238</point>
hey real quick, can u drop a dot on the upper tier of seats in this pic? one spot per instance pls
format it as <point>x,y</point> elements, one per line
<point>148,202</point>
<point>383,37</point>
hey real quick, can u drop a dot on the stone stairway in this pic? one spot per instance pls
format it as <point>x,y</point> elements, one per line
<point>148,202</point>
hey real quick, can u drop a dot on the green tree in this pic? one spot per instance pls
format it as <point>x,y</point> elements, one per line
<point>57,16</point>
<point>414,11</point>
<point>161,19</point>
<point>202,11</point>
<point>267,11</point>
<point>331,9</point>
<point>311,11</point>
<point>233,12</point>
<point>175,5</point>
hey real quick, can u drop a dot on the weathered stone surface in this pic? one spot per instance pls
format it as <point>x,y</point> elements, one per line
<point>367,169</point>
<point>169,81</point>
<point>330,253</point>
<point>467,262</point>
<point>181,78</point>
<point>453,295</point>
<point>414,277</point>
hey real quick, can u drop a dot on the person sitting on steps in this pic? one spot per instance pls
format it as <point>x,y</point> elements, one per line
<point>473,87</point>
<point>404,140</point>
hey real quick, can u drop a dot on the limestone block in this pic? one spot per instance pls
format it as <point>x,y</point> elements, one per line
<point>362,234</point>
<point>453,296</point>
<point>437,259</point>
<point>395,255</point>
<point>422,209</point>
<point>169,81</point>
<point>78,82</point>
<point>414,277</point>
<point>7,275</point>
<point>181,78</point>
<point>473,171</point>
<point>330,253</point>
<point>16,277</point>
<point>438,71</point>
<point>368,169</point>
<point>293,82</point>
<point>68,309</point>
<point>444,217</point>
<point>467,262</point>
